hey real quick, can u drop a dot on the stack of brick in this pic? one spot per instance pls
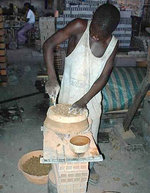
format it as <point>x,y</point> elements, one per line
<point>3,72</point>
<point>47,28</point>
<point>71,177</point>
<point>76,9</point>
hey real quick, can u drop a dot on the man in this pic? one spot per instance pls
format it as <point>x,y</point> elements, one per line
<point>88,65</point>
<point>30,20</point>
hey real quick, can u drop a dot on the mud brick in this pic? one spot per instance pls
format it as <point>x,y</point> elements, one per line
<point>70,180</point>
<point>3,65</point>
<point>71,175</point>
<point>2,52</point>
<point>76,190</point>
<point>61,189</point>
<point>78,174</point>
<point>72,166</point>
<point>76,167</point>
<point>83,185</point>
<point>148,93</point>
<point>76,186</point>
<point>84,179</point>
<point>2,59</point>
<point>85,174</point>
<point>68,168</point>
<point>2,39</point>
<point>64,167</point>
<point>1,18</point>
<point>4,78</point>
<point>61,166</point>
<point>4,84</point>
<point>84,166</point>
<point>1,32</point>
<point>3,72</point>
<point>76,179</point>
<point>83,190</point>
<point>2,45</point>
<point>63,180</point>
<point>63,175</point>
<point>1,25</point>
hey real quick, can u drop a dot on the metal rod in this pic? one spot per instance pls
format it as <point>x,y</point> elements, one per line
<point>20,97</point>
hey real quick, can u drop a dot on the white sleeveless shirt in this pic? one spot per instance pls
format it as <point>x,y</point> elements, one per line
<point>81,70</point>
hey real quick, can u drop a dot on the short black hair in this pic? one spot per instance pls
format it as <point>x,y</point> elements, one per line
<point>27,5</point>
<point>107,17</point>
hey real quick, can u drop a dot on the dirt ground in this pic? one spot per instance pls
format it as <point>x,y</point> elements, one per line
<point>126,165</point>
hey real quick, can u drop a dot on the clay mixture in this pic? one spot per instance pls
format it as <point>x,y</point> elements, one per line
<point>34,167</point>
<point>62,109</point>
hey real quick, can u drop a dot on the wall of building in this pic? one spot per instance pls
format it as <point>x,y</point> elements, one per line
<point>38,4</point>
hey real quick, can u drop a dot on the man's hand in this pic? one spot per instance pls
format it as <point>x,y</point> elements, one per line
<point>52,88</point>
<point>78,107</point>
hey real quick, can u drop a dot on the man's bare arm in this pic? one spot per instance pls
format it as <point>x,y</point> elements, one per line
<point>60,36</point>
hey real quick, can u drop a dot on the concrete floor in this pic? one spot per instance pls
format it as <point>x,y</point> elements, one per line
<point>124,170</point>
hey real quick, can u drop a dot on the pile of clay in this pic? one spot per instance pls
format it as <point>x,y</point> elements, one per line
<point>60,120</point>
<point>34,167</point>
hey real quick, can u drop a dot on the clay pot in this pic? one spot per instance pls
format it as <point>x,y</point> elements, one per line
<point>31,178</point>
<point>60,121</point>
<point>79,144</point>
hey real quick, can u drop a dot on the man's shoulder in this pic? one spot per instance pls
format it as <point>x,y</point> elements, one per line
<point>80,22</point>
<point>30,11</point>
<point>78,25</point>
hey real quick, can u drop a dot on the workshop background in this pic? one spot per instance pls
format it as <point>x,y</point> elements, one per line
<point>124,134</point>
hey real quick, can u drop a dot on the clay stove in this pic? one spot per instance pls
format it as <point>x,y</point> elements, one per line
<point>70,169</point>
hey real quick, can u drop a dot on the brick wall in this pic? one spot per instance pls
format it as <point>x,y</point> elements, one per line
<point>3,70</point>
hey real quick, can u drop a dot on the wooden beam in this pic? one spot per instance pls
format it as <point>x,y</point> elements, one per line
<point>134,107</point>
<point>145,87</point>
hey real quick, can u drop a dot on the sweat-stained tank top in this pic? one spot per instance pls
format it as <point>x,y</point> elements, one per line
<point>81,70</point>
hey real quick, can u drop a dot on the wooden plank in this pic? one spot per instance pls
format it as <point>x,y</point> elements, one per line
<point>117,114</point>
<point>1,11</point>
<point>137,101</point>
<point>54,153</point>
<point>145,87</point>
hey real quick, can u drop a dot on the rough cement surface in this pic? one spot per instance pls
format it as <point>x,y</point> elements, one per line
<point>125,169</point>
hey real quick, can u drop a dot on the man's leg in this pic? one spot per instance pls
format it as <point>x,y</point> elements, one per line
<point>21,34</point>
<point>21,38</point>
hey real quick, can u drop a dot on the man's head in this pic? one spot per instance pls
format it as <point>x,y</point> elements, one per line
<point>27,6</point>
<point>105,21</point>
